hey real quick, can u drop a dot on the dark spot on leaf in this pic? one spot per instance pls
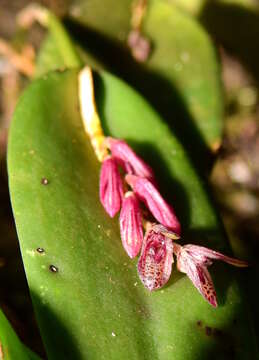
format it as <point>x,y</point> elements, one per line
<point>199,323</point>
<point>53,268</point>
<point>208,330</point>
<point>40,250</point>
<point>44,181</point>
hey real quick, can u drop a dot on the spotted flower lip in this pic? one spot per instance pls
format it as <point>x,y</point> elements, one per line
<point>194,260</point>
<point>111,188</point>
<point>159,208</point>
<point>131,224</point>
<point>155,262</point>
<point>128,159</point>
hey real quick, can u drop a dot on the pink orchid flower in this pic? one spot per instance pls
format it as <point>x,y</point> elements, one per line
<point>155,262</point>
<point>158,248</point>
<point>194,260</point>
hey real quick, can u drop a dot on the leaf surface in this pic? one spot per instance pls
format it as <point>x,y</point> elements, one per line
<point>11,347</point>
<point>93,306</point>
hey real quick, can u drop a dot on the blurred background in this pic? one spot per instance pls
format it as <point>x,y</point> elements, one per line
<point>234,177</point>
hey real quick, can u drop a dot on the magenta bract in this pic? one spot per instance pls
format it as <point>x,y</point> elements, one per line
<point>128,159</point>
<point>155,262</point>
<point>159,208</point>
<point>131,225</point>
<point>193,260</point>
<point>111,189</point>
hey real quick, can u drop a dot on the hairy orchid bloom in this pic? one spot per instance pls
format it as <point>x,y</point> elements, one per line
<point>155,262</point>
<point>131,224</point>
<point>193,260</point>
<point>159,208</point>
<point>128,159</point>
<point>111,188</point>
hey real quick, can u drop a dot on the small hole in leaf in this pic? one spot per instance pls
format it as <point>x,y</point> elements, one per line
<point>53,268</point>
<point>44,181</point>
<point>40,250</point>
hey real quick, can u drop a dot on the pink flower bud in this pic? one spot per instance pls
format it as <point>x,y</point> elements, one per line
<point>155,262</point>
<point>111,189</point>
<point>131,225</point>
<point>159,208</point>
<point>193,260</point>
<point>128,159</point>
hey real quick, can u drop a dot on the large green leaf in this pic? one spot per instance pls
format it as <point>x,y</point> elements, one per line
<point>94,306</point>
<point>11,347</point>
<point>181,77</point>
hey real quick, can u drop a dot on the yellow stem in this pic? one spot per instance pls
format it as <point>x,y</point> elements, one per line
<point>91,120</point>
<point>139,8</point>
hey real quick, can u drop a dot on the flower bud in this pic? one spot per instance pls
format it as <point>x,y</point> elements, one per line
<point>131,225</point>
<point>159,208</point>
<point>128,159</point>
<point>111,189</point>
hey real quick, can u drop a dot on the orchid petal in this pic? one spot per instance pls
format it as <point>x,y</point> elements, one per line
<point>198,274</point>
<point>203,255</point>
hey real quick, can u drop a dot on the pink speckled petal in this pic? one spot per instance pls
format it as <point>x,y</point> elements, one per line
<point>131,225</point>
<point>159,208</point>
<point>203,256</point>
<point>111,188</point>
<point>128,159</point>
<point>155,262</point>
<point>197,273</point>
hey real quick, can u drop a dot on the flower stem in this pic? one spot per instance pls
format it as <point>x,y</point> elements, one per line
<point>89,113</point>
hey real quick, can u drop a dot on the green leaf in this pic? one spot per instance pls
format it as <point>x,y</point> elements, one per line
<point>63,42</point>
<point>182,76</point>
<point>50,58</point>
<point>11,347</point>
<point>94,306</point>
<point>59,52</point>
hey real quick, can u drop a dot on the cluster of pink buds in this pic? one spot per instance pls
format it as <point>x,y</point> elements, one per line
<point>126,181</point>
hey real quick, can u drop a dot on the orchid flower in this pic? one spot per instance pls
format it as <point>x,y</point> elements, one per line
<point>157,247</point>
<point>194,260</point>
<point>155,262</point>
